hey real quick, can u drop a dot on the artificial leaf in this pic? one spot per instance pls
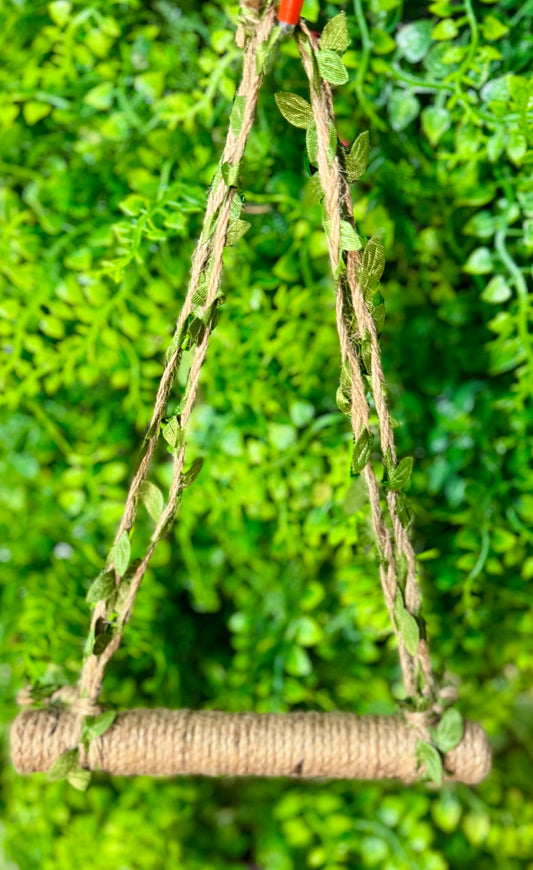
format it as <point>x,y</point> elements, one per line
<point>66,762</point>
<point>294,109</point>
<point>449,731</point>
<point>101,643</point>
<point>237,114</point>
<point>335,34</point>
<point>152,499</point>
<point>79,778</point>
<point>236,231</point>
<point>101,587</point>
<point>95,726</point>
<point>362,451</point>
<point>189,476</point>
<point>378,316</point>
<point>357,159</point>
<point>350,241</point>
<point>331,67</point>
<point>399,478</point>
<point>230,173</point>
<point>174,434</point>
<point>427,755</point>
<point>373,263</point>
<point>343,402</point>
<point>121,553</point>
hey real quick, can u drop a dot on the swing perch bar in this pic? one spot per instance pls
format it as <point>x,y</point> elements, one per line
<point>299,744</point>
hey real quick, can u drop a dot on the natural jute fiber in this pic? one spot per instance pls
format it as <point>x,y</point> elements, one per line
<point>300,745</point>
<point>212,743</point>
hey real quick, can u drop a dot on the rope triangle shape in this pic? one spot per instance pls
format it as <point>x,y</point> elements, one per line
<point>70,734</point>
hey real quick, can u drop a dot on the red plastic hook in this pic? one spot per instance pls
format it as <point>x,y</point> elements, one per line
<point>289,12</point>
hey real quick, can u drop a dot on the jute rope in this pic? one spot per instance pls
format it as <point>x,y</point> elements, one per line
<point>308,745</point>
<point>212,743</point>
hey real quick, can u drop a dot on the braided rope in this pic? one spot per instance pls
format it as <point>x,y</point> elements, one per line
<point>212,743</point>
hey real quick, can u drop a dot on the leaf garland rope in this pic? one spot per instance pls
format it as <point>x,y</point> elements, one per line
<point>358,314</point>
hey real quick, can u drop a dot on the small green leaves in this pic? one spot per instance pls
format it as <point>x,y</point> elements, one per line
<point>357,159</point>
<point>63,765</point>
<point>429,757</point>
<point>121,553</point>
<point>265,51</point>
<point>435,121</point>
<point>174,434</point>
<point>343,402</point>
<point>79,778</point>
<point>403,108</point>
<point>406,625</point>
<point>100,588</point>
<point>335,34</point>
<point>236,231</point>
<point>230,173</point>
<point>350,241</point>
<point>294,109</point>
<point>237,114</point>
<point>331,67</point>
<point>95,726</point>
<point>449,731</point>
<point>153,500</point>
<point>192,473</point>
<point>373,263</point>
<point>362,451</point>
<point>399,477</point>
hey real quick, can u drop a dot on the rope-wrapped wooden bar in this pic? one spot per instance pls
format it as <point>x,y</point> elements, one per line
<point>304,745</point>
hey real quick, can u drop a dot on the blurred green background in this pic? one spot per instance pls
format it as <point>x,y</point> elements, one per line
<point>266,595</point>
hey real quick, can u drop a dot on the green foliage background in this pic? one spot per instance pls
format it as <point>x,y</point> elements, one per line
<point>266,596</point>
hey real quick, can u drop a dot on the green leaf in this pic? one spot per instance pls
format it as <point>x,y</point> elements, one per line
<point>427,755</point>
<point>311,143</point>
<point>95,726</point>
<point>373,263</point>
<point>403,108</point>
<point>174,434</point>
<point>121,553</point>
<point>79,778</point>
<point>189,476</point>
<point>449,731</point>
<point>101,587</point>
<point>362,451</point>
<point>265,51</point>
<point>435,121</point>
<point>237,114</point>
<point>414,40</point>
<point>236,230</point>
<point>63,765</point>
<point>406,625</point>
<point>335,34</point>
<point>133,204</point>
<point>343,402</point>
<point>378,315</point>
<point>294,109</point>
<point>314,186</point>
<point>350,241</point>
<point>59,11</point>
<point>101,643</point>
<point>479,262</point>
<point>230,173</point>
<point>399,478</point>
<point>445,29</point>
<point>497,290</point>
<point>404,509</point>
<point>153,500</point>
<point>357,159</point>
<point>331,67</point>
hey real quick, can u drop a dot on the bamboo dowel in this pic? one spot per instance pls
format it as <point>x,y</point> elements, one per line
<point>211,743</point>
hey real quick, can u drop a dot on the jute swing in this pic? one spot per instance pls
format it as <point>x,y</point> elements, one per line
<point>68,733</point>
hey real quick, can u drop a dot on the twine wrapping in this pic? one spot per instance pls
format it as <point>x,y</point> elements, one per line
<point>303,745</point>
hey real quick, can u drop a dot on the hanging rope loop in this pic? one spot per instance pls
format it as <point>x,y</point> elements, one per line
<point>213,743</point>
